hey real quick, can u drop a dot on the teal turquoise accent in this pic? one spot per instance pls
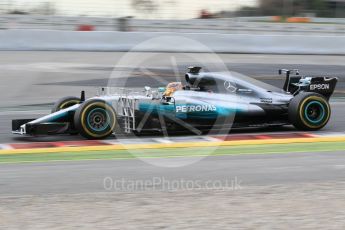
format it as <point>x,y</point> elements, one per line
<point>57,117</point>
<point>161,89</point>
<point>226,111</point>
<point>321,117</point>
<point>157,108</point>
<point>101,128</point>
<point>170,110</point>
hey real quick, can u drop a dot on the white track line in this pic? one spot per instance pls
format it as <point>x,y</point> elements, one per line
<point>211,139</point>
<point>164,140</point>
<point>331,134</point>
<point>5,146</point>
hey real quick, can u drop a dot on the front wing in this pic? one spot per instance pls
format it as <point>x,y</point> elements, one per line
<point>24,127</point>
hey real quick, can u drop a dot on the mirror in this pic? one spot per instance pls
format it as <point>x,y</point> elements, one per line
<point>147,90</point>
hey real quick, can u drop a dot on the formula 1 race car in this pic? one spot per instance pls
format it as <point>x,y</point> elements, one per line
<point>217,101</point>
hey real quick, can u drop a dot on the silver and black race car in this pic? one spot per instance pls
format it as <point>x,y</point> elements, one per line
<point>207,101</point>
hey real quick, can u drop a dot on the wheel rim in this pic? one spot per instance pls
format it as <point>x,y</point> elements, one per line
<point>98,119</point>
<point>315,112</point>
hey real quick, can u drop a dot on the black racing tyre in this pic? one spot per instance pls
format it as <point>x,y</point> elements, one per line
<point>309,111</point>
<point>95,119</point>
<point>64,103</point>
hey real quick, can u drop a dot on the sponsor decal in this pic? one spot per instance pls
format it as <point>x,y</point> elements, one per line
<point>195,108</point>
<point>266,100</point>
<point>319,87</point>
<point>230,86</point>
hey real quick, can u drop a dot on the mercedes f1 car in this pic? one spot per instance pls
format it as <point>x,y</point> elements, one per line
<point>219,100</point>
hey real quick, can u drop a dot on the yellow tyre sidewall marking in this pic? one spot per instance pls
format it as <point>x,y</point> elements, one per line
<point>67,102</point>
<point>102,105</point>
<point>301,111</point>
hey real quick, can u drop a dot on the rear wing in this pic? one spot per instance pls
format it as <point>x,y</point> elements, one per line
<point>295,83</point>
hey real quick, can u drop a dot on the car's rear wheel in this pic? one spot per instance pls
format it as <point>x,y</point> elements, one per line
<point>95,119</point>
<point>64,103</point>
<point>309,111</point>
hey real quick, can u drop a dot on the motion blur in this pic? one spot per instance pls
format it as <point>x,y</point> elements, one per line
<point>98,69</point>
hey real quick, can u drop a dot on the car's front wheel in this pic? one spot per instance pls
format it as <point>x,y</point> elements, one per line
<point>64,103</point>
<point>309,111</point>
<point>95,119</point>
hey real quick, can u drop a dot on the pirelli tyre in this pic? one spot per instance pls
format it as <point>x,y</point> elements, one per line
<point>64,103</point>
<point>95,119</point>
<point>309,111</point>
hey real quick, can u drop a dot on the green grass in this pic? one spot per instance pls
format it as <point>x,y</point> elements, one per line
<point>176,152</point>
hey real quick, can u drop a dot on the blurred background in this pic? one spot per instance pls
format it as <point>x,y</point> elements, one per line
<point>229,27</point>
<point>224,16</point>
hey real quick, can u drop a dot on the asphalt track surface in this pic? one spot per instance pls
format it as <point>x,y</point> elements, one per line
<point>31,81</point>
<point>117,175</point>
